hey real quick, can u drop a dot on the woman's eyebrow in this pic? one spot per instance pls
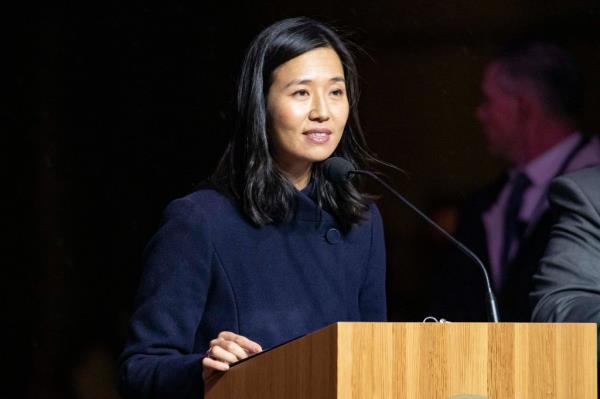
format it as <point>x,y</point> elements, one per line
<point>307,81</point>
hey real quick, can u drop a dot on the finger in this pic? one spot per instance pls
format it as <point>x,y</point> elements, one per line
<point>232,347</point>
<point>229,346</point>
<point>245,343</point>
<point>213,364</point>
<point>220,354</point>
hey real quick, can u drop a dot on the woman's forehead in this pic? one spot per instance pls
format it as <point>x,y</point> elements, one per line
<point>320,64</point>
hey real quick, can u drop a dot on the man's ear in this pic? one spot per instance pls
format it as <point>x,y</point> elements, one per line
<point>528,106</point>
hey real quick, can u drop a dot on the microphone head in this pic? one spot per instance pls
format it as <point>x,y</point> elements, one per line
<point>337,169</point>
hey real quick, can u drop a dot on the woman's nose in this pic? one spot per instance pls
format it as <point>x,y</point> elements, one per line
<point>320,109</point>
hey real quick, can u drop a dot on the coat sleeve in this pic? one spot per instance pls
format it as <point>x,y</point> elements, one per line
<point>567,286</point>
<point>372,297</point>
<point>159,360</point>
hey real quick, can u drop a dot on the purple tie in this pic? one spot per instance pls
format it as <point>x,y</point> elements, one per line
<point>513,227</point>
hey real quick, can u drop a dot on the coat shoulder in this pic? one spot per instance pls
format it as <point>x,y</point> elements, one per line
<point>585,181</point>
<point>206,199</point>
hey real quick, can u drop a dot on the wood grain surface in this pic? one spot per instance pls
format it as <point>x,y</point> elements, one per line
<point>422,360</point>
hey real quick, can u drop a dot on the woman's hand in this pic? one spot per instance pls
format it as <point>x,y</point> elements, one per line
<point>227,348</point>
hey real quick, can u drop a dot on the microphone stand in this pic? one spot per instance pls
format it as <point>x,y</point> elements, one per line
<point>492,307</point>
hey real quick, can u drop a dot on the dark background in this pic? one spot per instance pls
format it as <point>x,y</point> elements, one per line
<point>122,107</point>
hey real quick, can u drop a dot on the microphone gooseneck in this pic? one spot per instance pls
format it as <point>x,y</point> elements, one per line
<point>338,170</point>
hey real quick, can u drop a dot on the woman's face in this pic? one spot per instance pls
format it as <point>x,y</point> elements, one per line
<point>307,107</point>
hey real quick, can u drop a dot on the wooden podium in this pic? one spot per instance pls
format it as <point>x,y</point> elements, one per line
<point>422,360</point>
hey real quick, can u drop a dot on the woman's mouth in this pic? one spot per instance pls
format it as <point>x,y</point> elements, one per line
<point>318,136</point>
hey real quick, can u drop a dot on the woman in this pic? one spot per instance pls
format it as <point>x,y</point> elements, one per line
<point>269,250</point>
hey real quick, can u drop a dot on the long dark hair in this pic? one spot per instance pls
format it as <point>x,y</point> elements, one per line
<point>247,170</point>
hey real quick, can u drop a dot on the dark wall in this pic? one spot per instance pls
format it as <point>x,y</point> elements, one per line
<point>122,108</point>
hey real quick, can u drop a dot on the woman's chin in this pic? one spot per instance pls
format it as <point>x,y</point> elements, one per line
<point>320,154</point>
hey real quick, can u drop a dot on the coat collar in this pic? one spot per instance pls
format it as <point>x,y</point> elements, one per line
<point>307,209</point>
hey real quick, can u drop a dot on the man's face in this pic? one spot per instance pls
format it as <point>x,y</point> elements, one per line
<point>498,114</point>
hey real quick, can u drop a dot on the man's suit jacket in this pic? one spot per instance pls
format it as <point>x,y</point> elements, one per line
<point>458,290</point>
<point>567,286</point>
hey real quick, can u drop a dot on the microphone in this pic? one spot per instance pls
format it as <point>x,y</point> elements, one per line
<point>338,170</point>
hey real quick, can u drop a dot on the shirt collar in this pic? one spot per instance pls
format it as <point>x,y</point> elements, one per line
<point>545,167</point>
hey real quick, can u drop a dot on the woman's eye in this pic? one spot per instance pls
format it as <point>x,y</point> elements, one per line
<point>301,93</point>
<point>338,92</point>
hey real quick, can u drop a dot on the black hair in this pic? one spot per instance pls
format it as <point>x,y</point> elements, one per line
<point>247,170</point>
<point>553,72</point>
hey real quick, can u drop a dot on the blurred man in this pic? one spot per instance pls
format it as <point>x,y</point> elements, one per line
<point>533,93</point>
<point>567,286</point>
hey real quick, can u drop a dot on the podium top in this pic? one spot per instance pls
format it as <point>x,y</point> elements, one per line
<point>422,360</point>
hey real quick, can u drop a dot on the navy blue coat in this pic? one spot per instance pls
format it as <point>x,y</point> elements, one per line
<point>208,269</point>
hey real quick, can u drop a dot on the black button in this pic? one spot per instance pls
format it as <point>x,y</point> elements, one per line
<point>333,236</point>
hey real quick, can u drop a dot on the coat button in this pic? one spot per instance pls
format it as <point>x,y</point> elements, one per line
<point>333,236</point>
